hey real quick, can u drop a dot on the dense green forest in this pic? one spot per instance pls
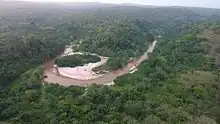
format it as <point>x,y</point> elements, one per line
<point>178,85</point>
<point>77,60</point>
<point>54,25</point>
<point>118,40</point>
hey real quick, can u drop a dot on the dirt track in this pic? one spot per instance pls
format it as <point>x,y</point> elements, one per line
<point>105,79</point>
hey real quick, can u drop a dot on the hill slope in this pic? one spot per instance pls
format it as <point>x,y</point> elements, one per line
<point>31,25</point>
<point>179,84</point>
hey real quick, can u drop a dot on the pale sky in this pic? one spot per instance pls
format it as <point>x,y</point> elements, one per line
<point>194,3</point>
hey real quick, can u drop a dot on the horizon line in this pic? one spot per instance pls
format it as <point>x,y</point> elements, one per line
<point>128,4</point>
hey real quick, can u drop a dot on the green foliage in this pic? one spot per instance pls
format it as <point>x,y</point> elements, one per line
<point>167,89</point>
<point>77,60</point>
<point>116,62</point>
<point>19,53</point>
<point>111,30</point>
<point>118,39</point>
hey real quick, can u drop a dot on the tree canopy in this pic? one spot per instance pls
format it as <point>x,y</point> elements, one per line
<point>179,84</point>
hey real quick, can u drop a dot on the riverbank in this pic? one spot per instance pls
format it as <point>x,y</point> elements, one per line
<point>101,80</point>
<point>84,72</point>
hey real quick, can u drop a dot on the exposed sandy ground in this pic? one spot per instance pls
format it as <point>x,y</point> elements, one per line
<point>101,80</point>
<point>80,72</point>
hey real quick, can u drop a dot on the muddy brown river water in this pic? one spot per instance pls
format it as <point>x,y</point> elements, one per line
<point>105,79</point>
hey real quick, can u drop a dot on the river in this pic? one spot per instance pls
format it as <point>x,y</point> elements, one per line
<point>105,79</point>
